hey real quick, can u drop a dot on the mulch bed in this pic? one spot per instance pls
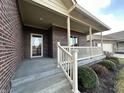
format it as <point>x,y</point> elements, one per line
<point>108,82</point>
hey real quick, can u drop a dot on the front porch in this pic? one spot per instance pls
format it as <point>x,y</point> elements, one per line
<point>33,72</point>
<point>38,65</point>
<point>41,43</point>
<point>43,28</point>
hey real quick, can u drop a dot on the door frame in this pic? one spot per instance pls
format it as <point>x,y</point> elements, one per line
<point>31,35</point>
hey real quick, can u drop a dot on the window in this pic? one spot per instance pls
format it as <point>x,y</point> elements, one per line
<point>74,41</point>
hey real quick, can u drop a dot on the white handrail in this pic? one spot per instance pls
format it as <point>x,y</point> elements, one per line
<point>86,52</point>
<point>64,50</point>
<point>80,47</point>
<point>68,64</point>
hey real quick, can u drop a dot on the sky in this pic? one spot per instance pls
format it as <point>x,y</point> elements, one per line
<point>111,12</point>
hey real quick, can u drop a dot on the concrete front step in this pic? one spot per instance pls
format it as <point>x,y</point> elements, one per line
<point>56,83</point>
<point>34,77</point>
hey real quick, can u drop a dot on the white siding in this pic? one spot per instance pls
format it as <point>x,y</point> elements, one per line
<point>106,47</point>
<point>120,47</point>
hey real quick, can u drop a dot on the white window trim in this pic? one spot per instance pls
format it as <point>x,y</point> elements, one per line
<point>31,45</point>
<point>77,40</point>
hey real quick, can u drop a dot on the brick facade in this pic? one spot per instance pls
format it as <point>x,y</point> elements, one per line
<point>11,45</point>
<point>50,39</point>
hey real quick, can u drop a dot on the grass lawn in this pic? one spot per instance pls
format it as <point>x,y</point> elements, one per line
<point>120,82</point>
<point>121,60</point>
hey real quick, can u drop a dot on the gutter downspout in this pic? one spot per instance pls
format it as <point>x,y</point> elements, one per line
<point>73,7</point>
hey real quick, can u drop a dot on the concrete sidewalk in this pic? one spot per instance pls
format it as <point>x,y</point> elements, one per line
<point>119,55</point>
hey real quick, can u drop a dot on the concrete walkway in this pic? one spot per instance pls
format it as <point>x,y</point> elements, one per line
<point>119,55</point>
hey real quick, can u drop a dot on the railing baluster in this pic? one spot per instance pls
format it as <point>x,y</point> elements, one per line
<point>68,65</point>
<point>61,57</point>
<point>71,69</point>
<point>58,54</point>
<point>63,60</point>
<point>66,62</point>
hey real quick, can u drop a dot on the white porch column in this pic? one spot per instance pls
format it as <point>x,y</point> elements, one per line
<point>90,32</point>
<point>102,41</point>
<point>91,43</point>
<point>68,32</point>
<point>75,71</point>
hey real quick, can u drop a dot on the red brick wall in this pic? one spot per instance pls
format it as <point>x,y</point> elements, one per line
<point>11,45</point>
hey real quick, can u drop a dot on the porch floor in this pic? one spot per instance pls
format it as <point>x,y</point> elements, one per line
<point>39,65</point>
<point>35,65</point>
<point>40,75</point>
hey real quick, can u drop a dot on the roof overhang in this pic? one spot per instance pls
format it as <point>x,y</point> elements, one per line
<point>37,15</point>
<point>80,13</point>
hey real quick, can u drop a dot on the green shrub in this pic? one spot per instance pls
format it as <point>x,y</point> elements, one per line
<point>87,78</point>
<point>113,59</point>
<point>109,64</point>
<point>100,69</point>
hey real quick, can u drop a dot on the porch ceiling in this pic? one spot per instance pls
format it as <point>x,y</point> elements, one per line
<point>36,15</point>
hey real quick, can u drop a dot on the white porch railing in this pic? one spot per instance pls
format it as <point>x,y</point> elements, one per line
<point>85,52</point>
<point>67,60</point>
<point>68,63</point>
